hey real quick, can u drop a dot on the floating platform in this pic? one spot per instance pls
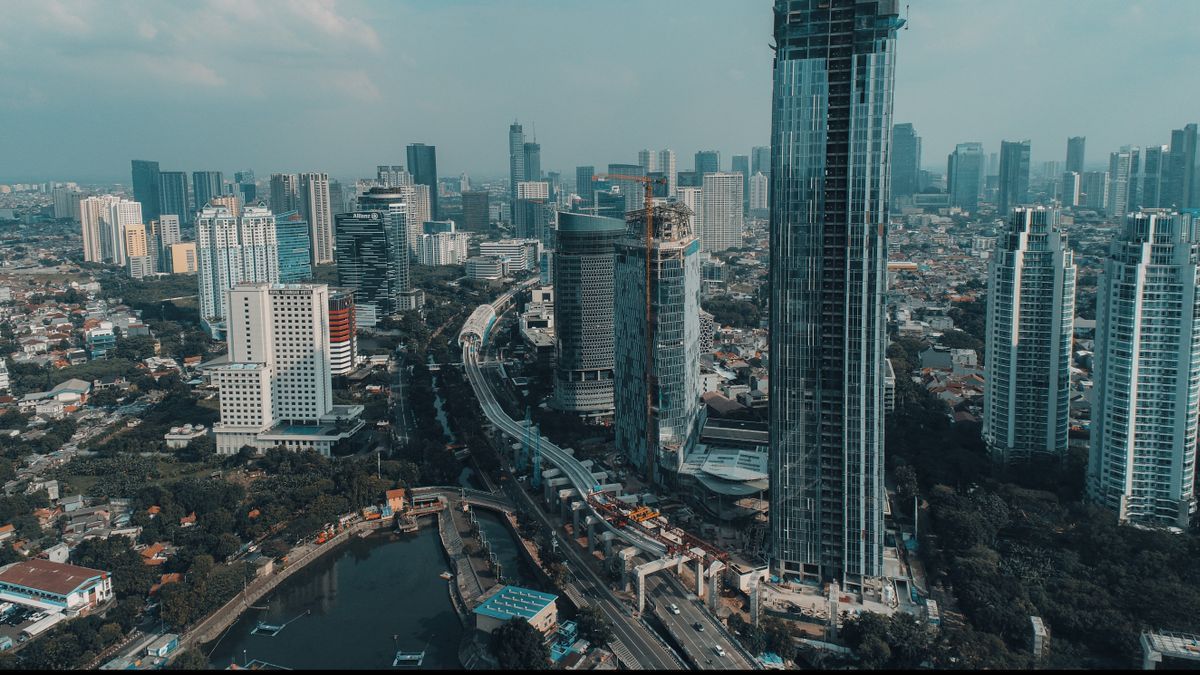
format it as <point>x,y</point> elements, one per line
<point>268,629</point>
<point>446,575</point>
<point>409,659</point>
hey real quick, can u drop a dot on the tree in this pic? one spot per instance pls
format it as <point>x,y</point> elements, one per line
<point>518,646</point>
<point>192,659</point>
<point>594,626</point>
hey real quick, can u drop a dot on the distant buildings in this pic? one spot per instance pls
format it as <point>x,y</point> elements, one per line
<point>707,161</point>
<point>1014,176</point>
<point>422,162</point>
<point>906,161</point>
<point>316,209</point>
<point>146,187</point>
<point>232,250</point>
<point>516,165</point>
<point>964,176</point>
<point>583,313</point>
<point>1076,145</point>
<point>166,233</point>
<point>285,192</point>
<point>183,258</point>
<point>205,186</point>
<point>663,367</point>
<point>1181,187</point>
<point>173,195</point>
<point>295,249</point>
<point>94,213</point>
<point>1030,321</point>
<point>759,192</point>
<point>1142,462</point>
<point>720,214</point>
<point>138,260</point>
<point>741,164</point>
<point>442,244</point>
<point>275,391</point>
<point>475,212</point>
<point>1122,181</point>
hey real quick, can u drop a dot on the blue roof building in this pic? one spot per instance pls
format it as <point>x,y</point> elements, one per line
<point>509,602</point>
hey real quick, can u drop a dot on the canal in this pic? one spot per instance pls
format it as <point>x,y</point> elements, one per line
<point>359,598</point>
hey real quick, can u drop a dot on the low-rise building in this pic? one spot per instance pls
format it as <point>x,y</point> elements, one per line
<point>512,602</point>
<point>55,586</point>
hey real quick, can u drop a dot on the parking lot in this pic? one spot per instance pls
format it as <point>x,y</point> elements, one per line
<point>16,620</point>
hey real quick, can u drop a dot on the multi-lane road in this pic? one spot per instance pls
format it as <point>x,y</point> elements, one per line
<point>698,645</point>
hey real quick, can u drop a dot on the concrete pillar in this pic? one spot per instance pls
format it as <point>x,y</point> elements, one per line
<point>626,555</point>
<point>608,538</point>
<point>599,476</point>
<point>576,511</point>
<point>714,584</point>
<point>553,486</point>
<point>700,578</point>
<point>591,522</point>
<point>641,589</point>
<point>611,488</point>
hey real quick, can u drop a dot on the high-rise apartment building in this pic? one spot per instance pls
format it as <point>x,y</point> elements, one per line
<point>906,160</point>
<point>964,176</point>
<point>584,185</point>
<point>516,165</point>
<point>94,213</point>
<point>707,161</point>
<point>422,162</point>
<point>648,160</point>
<point>1075,149</point>
<point>183,257</point>
<point>166,235</point>
<point>316,209</point>
<point>1030,321</point>
<point>1153,177</point>
<point>583,313</point>
<point>276,390</point>
<point>145,187</point>
<point>1181,188</point>
<point>633,191</point>
<point>830,134</point>
<point>760,160</point>
<point>247,187</point>
<point>295,248</point>
<point>173,195</point>
<point>1142,460</point>
<point>394,176</point>
<point>232,250</point>
<point>137,251</point>
<point>658,412</point>
<point>122,213</point>
<point>1095,189</point>
<point>1014,176</point>
<point>690,197</point>
<point>721,221</point>
<point>475,211</point>
<point>759,191</point>
<point>66,203</point>
<point>666,166</point>
<point>533,161</point>
<point>1122,181</point>
<point>205,186</point>
<point>1071,192</point>
<point>285,192</point>
<point>741,164</point>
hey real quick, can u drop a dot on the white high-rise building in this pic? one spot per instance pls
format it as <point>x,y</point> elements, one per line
<point>314,205</point>
<point>121,214</point>
<point>1072,188</point>
<point>759,185</point>
<point>666,165</point>
<point>233,250</point>
<point>648,160</point>
<point>721,221</point>
<point>1122,182</point>
<point>166,234</point>
<point>1030,321</point>
<point>419,212</point>
<point>690,197</point>
<point>443,248</point>
<point>94,213</point>
<point>393,176</point>
<point>1142,459</point>
<point>533,189</point>
<point>275,391</point>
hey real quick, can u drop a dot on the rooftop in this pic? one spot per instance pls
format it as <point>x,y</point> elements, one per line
<point>57,578</point>
<point>513,601</point>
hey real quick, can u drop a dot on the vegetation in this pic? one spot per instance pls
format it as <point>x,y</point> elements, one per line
<point>594,626</point>
<point>518,646</point>
<point>736,313</point>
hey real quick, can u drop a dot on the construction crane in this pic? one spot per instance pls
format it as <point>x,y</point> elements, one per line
<point>648,183</point>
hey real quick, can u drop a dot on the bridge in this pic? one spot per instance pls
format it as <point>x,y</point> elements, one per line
<point>476,498</point>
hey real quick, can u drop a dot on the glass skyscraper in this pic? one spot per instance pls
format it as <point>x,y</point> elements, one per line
<point>145,187</point>
<point>516,166</point>
<point>830,135</point>
<point>205,186</point>
<point>1014,176</point>
<point>173,195</point>
<point>906,160</point>
<point>673,390</point>
<point>707,161</point>
<point>422,164</point>
<point>741,164</point>
<point>292,238</point>
<point>964,176</point>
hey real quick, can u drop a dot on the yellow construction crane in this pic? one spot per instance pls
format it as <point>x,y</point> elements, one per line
<point>648,183</point>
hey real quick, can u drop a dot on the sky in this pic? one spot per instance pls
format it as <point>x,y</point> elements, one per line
<point>343,85</point>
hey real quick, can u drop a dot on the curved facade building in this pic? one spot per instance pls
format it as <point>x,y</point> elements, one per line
<point>583,313</point>
<point>343,342</point>
<point>1142,462</point>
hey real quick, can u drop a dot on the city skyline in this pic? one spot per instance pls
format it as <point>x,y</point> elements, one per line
<point>202,69</point>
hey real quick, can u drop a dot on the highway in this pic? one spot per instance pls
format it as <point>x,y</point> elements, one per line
<point>697,645</point>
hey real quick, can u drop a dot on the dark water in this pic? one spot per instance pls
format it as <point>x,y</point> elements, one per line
<point>512,567</point>
<point>360,596</point>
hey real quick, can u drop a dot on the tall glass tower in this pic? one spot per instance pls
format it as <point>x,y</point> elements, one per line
<point>830,137</point>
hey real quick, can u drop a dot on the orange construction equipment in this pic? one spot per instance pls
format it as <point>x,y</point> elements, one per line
<point>648,184</point>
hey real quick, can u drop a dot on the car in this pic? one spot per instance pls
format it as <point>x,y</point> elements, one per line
<point>698,626</point>
<point>673,607</point>
<point>718,650</point>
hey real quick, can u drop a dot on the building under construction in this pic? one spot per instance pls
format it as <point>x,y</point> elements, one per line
<point>658,412</point>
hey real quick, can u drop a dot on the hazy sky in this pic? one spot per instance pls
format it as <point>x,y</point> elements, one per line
<point>343,86</point>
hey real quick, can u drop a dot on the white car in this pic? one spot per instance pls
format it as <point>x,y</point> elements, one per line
<point>673,607</point>
<point>719,651</point>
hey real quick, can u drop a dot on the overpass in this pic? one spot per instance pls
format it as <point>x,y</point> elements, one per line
<point>479,498</point>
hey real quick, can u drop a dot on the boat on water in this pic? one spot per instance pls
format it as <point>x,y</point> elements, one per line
<point>446,575</point>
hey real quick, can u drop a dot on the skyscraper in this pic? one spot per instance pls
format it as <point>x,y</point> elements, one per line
<point>205,186</point>
<point>657,418</point>
<point>122,213</point>
<point>707,161</point>
<point>583,313</point>
<point>584,185</point>
<point>422,162</point>
<point>533,161</point>
<point>1180,189</point>
<point>343,335</point>
<point>294,247</point>
<point>173,195</point>
<point>1151,181</point>
<point>373,254</point>
<point>285,192</point>
<point>475,211</point>
<point>1095,189</point>
<point>759,194</point>
<point>1014,176</point>
<point>1142,460</point>
<point>516,165</point>
<point>1122,181</point>
<point>1030,321</point>
<point>316,209</point>
<point>964,176</point>
<point>166,235</point>
<point>232,249</point>
<point>666,165</point>
<point>721,221</point>
<point>906,160</point>
<point>66,203</point>
<point>138,261</point>
<point>247,189</point>
<point>635,197</point>
<point>1075,150</point>
<point>1071,192</point>
<point>145,187</point>
<point>830,134</point>
<point>393,176</point>
<point>93,214</point>
<point>648,160</point>
<point>760,160</point>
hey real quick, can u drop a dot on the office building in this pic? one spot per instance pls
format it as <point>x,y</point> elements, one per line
<point>442,244</point>
<point>486,268</point>
<point>1122,181</point>
<point>66,203</point>
<point>583,313</point>
<point>1181,188</point>
<point>205,186</point>
<point>1030,321</point>
<point>285,192</point>
<point>166,234</point>
<point>94,213</point>
<point>1075,149</point>
<point>760,160</point>
<point>183,258</point>
<point>707,161</point>
<point>1014,176</point>
<point>1142,460</point>
<point>343,332</point>
<point>666,166</point>
<point>1152,179</point>
<point>475,212</point>
<point>173,196</point>
<point>516,165</point>
<point>393,176</point>
<point>247,188</point>
<point>759,186</point>
<point>422,162</point>
<point>145,187</point>
<point>139,264</point>
<point>419,211</point>
<point>276,391</point>
<point>741,164</point>
<point>315,207</point>
<point>584,185</point>
<point>295,249</point>
<point>721,220</point>
<point>1095,189</point>
<point>828,279</point>
<point>658,412</point>
<point>648,160</point>
<point>633,191</point>
<point>232,250</point>
<point>1071,190</point>
<point>373,255</point>
<point>519,254</point>
<point>533,161</point>
<point>906,160</point>
<point>964,176</point>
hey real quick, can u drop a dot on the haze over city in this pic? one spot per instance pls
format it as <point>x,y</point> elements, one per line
<point>345,85</point>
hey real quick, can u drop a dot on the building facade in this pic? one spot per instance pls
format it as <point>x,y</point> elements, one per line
<point>205,186</point>
<point>830,133</point>
<point>1014,176</point>
<point>295,250</point>
<point>372,260</point>
<point>1030,321</point>
<point>906,160</point>
<point>343,332</point>
<point>173,195</point>
<point>721,220</point>
<point>964,176</point>
<point>316,209</point>
<point>232,250</point>
<point>422,162</point>
<point>146,187</point>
